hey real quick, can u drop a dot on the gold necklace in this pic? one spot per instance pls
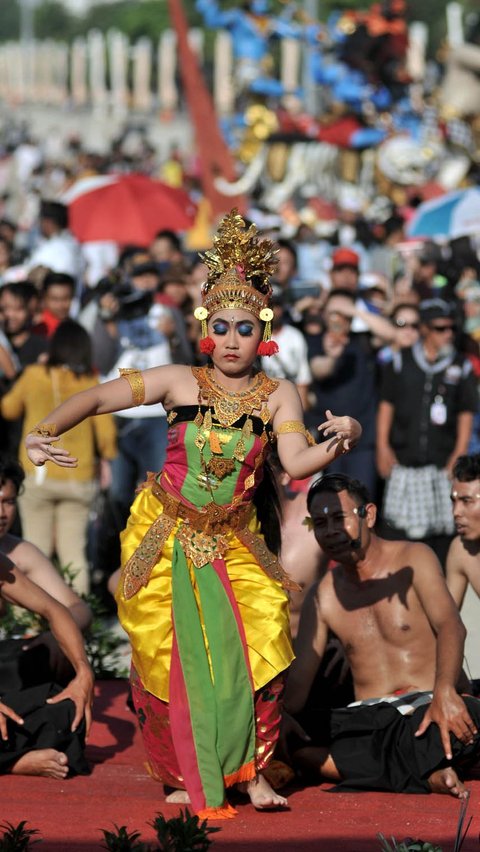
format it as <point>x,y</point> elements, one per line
<point>229,406</point>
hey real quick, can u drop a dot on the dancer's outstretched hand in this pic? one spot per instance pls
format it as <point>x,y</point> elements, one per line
<point>41,448</point>
<point>346,428</point>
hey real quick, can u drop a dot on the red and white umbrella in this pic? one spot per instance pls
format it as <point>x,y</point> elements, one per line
<point>126,208</point>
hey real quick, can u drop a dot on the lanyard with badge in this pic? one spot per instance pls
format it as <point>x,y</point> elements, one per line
<point>438,409</point>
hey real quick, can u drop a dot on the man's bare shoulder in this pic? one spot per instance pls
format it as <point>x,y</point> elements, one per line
<point>463,556</point>
<point>8,571</point>
<point>461,549</point>
<point>21,552</point>
<point>401,553</point>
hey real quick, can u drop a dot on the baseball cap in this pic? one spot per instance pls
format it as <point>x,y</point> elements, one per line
<point>433,309</point>
<point>430,253</point>
<point>345,257</point>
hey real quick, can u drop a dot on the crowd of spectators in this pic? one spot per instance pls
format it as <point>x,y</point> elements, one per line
<point>368,323</point>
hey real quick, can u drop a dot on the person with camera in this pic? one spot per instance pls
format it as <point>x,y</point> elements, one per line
<point>344,374</point>
<point>132,331</point>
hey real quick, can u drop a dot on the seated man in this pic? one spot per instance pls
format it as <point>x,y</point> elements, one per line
<point>35,565</point>
<point>387,602</point>
<point>43,729</point>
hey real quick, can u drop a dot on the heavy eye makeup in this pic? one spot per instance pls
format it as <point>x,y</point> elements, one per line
<point>244,328</point>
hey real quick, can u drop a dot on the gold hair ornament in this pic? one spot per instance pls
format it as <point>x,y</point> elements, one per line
<point>240,266</point>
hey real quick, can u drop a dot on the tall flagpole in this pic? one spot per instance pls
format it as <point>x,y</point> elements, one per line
<point>215,157</point>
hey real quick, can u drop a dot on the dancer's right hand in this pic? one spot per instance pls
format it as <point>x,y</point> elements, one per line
<point>41,448</point>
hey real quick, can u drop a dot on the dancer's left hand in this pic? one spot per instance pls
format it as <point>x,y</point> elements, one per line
<point>346,428</point>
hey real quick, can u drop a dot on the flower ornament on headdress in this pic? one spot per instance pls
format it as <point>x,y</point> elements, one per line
<point>240,266</point>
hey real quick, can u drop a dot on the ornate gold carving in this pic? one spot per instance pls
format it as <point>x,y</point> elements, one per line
<point>137,385</point>
<point>137,570</point>
<point>200,547</point>
<point>44,430</point>
<point>239,256</point>
<point>250,481</point>
<point>228,405</point>
<point>220,467</point>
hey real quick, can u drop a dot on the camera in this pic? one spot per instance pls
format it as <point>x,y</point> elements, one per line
<point>132,303</point>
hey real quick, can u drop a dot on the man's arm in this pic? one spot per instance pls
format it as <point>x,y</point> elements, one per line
<point>457,580</point>
<point>447,709</point>
<point>386,458</point>
<point>309,649</point>
<point>35,565</point>
<point>18,589</point>
<point>464,431</point>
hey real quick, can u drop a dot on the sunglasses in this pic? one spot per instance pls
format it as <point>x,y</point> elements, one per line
<point>399,323</point>
<point>441,329</point>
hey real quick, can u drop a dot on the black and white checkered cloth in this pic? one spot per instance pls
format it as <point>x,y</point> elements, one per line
<point>417,500</point>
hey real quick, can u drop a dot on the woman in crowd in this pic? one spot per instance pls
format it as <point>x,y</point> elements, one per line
<point>56,502</point>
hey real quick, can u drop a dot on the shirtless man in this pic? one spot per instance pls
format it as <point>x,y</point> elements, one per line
<point>35,565</point>
<point>54,729</point>
<point>463,560</point>
<point>389,605</point>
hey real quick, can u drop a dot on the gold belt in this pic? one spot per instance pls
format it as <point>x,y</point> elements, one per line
<point>203,537</point>
<point>211,520</point>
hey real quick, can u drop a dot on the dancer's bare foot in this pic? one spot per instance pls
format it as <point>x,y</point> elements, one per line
<point>447,781</point>
<point>178,797</point>
<point>43,761</point>
<point>262,796</point>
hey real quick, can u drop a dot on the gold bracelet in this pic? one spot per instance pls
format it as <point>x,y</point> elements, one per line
<point>137,385</point>
<point>44,430</point>
<point>296,426</point>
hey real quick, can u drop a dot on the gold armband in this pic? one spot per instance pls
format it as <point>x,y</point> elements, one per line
<point>135,380</point>
<point>295,426</point>
<point>44,430</point>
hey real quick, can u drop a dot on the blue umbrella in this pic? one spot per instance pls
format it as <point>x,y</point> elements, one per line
<point>456,214</point>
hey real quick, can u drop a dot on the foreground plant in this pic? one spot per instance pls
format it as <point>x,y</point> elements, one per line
<point>407,845</point>
<point>184,833</point>
<point>122,840</point>
<point>17,838</point>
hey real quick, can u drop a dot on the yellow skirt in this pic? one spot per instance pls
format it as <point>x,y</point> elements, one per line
<point>147,616</point>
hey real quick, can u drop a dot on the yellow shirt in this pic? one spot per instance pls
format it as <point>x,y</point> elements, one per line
<point>37,392</point>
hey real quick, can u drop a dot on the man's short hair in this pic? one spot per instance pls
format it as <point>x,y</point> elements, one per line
<point>334,483</point>
<point>347,294</point>
<point>25,291</point>
<point>55,211</point>
<point>467,468</point>
<point>52,278</point>
<point>284,243</point>
<point>171,237</point>
<point>11,469</point>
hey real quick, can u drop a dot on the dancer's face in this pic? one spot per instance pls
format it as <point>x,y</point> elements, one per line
<point>236,334</point>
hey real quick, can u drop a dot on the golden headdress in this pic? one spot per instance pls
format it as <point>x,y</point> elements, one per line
<point>240,266</point>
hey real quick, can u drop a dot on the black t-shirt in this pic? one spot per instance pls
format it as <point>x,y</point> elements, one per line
<point>427,399</point>
<point>350,389</point>
<point>29,351</point>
